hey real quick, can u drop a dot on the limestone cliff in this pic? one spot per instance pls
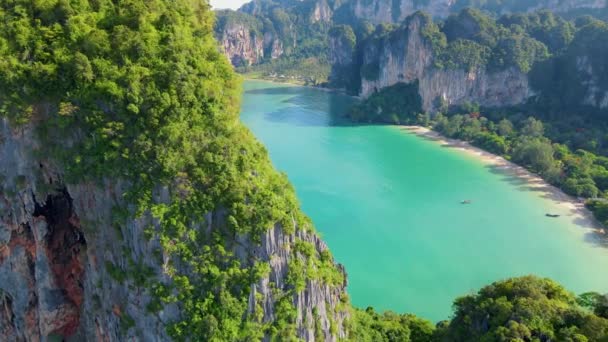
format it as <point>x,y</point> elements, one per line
<point>595,95</point>
<point>321,12</point>
<point>241,45</point>
<point>395,11</point>
<point>244,40</point>
<point>342,43</point>
<point>64,254</point>
<point>405,55</point>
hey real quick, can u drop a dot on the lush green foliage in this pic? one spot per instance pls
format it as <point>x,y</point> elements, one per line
<point>476,40</point>
<point>523,309</point>
<point>518,309</point>
<point>397,104</point>
<point>226,19</point>
<point>567,81</point>
<point>580,173</point>
<point>369,326</point>
<point>137,90</point>
<point>307,71</point>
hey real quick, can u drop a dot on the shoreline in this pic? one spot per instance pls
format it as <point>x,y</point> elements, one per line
<point>576,208</point>
<point>329,90</point>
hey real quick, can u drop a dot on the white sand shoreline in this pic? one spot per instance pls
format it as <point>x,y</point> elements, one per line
<point>577,209</point>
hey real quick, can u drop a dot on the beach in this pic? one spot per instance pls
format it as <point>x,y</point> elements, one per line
<point>574,206</point>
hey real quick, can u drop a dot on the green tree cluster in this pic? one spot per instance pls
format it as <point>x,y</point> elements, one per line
<point>522,309</point>
<point>397,104</point>
<point>517,309</point>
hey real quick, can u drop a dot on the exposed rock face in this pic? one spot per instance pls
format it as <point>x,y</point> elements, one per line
<point>342,42</point>
<point>568,5</point>
<point>318,297</point>
<point>595,96</point>
<point>395,11</point>
<point>492,89</point>
<point>387,11</point>
<point>275,45</point>
<point>61,243</point>
<point>241,45</point>
<point>406,56</point>
<point>245,39</point>
<point>321,12</point>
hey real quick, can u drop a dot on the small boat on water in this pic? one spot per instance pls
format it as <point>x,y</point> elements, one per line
<point>466,202</point>
<point>552,215</point>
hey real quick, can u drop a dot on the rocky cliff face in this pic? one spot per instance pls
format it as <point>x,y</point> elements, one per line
<point>395,11</point>
<point>241,45</point>
<point>244,38</point>
<point>405,56</point>
<point>64,252</point>
<point>384,11</point>
<point>595,96</point>
<point>321,12</point>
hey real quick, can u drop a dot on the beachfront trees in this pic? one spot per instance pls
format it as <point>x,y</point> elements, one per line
<point>532,128</point>
<point>491,142</point>
<point>537,153</point>
<point>505,127</point>
<point>523,309</point>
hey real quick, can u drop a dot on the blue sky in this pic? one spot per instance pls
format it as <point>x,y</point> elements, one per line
<point>234,4</point>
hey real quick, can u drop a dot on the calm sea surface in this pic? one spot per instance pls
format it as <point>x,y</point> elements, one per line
<point>388,205</point>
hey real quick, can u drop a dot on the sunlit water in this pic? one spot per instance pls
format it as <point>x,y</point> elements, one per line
<point>388,205</point>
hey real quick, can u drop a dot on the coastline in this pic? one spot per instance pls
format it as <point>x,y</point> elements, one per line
<point>291,84</point>
<point>576,208</point>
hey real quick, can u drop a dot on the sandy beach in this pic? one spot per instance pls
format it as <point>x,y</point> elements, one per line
<point>576,208</point>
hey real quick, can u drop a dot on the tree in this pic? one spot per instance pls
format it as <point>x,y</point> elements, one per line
<point>523,309</point>
<point>536,153</point>
<point>505,127</point>
<point>532,128</point>
<point>491,142</point>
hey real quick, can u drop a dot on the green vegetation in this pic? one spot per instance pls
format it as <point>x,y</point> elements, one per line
<point>475,40</point>
<point>369,326</point>
<point>137,90</point>
<point>568,82</point>
<point>397,104</point>
<point>579,173</point>
<point>307,71</point>
<point>573,165</point>
<point>522,309</point>
<point>517,309</point>
<point>303,43</point>
<point>563,138</point>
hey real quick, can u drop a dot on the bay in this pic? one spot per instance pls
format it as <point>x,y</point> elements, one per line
<point>388,205</point>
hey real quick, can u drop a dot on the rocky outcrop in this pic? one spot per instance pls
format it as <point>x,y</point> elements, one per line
<point>564,5</point>
<point>387,11</point>
<point>395,11</point>
<point>596,96</point>
<point>241,45</point>
<point>245,40</point>
<point>321,12</point>
<point>342,42</point>
<point>405,56</point>
<point>64,252</point>
<point>273,44</point>
<point>491,89</point>
<point>318,301</point>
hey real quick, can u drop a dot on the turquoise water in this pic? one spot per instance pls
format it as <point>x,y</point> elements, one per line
<point>388,205</point>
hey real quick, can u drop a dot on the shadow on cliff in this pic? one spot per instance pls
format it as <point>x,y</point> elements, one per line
<point>308,106</point>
